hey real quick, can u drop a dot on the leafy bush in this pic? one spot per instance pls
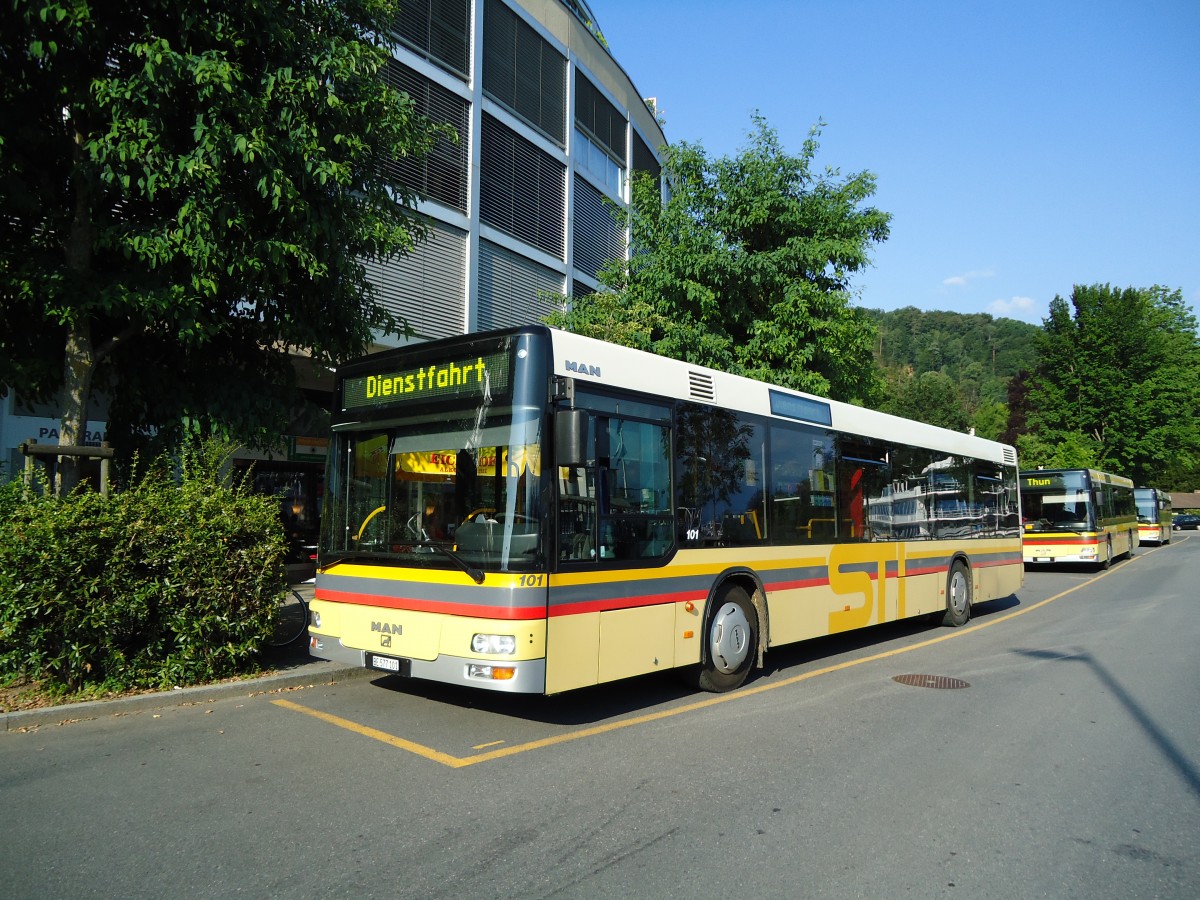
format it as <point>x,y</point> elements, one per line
<point>174,580</point>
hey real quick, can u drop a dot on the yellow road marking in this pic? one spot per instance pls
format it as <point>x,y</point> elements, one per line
<point>458,762</point>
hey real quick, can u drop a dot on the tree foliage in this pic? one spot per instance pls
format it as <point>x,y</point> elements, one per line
<point>746,267</point>
<point>187,192</point>
<point>1118,386</point>
<point>930,397</point>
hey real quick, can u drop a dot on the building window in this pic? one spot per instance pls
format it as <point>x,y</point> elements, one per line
<point>442,175</point>
<point>599,119</point>
<point>439,30</point>
<point>591,158</point>
<point>514,290</point>
<point>521,188</point>
<point>428,286</point>
<point>643,157</point>
<point>523,72</point>
<point>598,237</point>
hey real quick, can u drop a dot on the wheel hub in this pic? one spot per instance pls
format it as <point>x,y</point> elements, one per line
<point>958,592</point>
<point>730,638</point>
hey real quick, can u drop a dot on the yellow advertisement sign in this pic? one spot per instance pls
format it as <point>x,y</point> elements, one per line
<point>515,460</point>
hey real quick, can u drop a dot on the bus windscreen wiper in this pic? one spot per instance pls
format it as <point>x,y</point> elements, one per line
<point>475,573</point>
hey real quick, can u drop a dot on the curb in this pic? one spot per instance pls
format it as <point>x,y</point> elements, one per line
<point>317,672</point>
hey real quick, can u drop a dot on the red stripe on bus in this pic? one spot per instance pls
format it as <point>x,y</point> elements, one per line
<point>910,570</point>
<point>435,606</point>
<point>609,603</point>
<point>794,585</point>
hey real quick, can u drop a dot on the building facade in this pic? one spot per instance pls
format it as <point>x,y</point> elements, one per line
<point>550,128</point>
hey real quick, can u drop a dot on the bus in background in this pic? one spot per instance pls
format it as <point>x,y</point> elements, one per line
<point>1077,516</point>
<point>533,511</point>
<point>1154,515</point>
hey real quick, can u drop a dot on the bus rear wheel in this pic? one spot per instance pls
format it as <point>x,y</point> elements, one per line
<point>958,595</point>
<point>730,641</point>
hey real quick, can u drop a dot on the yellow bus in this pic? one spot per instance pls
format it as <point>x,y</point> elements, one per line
<point>533,511</point>
<point>1077,516</point>
<point>1154,515</point>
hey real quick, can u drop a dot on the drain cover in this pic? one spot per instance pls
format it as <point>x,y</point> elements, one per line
<point>941,682</point>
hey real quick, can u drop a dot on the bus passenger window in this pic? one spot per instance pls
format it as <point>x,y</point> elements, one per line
<point>866,511</point>
<point>720,465</point>
<point>636,520</point>
<point>803,502</point>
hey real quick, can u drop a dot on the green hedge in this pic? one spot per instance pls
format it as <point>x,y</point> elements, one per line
<point>171,581</point>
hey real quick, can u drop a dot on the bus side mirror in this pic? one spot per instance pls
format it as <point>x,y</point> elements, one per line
<point>570,437</point>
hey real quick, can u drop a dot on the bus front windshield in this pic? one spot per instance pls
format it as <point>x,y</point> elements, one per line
<point>458,492</point>
<point>1061,509</point>
<point>1147,507</point>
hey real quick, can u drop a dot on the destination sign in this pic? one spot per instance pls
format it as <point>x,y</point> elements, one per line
<point>448,380</point>
<point>1058,481</point>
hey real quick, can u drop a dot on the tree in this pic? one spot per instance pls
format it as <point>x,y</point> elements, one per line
<point>930,397</point>
<point>989,420</point>
<point>187,194</point>
<point>1118,383</point>
<point>746,267</point>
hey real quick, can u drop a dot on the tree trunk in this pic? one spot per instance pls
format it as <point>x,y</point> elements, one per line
<point>77,386</point>
<point>79,352</point>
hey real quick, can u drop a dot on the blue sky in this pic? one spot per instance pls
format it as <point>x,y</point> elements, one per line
<point>1021,147</point>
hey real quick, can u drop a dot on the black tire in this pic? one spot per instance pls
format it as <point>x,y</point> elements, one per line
<point>291,619</point>
<point>1107,561</point>
<point>730,641</point>
<point>958,595</point>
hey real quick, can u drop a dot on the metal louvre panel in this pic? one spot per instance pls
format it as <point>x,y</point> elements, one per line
<point>514,290</point>
<point>437,29</point>
<point>427,287</point>
<point>598,238</point>
<point>523,72</point>
<point>521,188</point>
<point>599,118</point>
<point>701,387</point>
<point>442,176</point>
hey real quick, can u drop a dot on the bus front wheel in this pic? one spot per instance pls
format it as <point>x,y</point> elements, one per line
<point>730,641</point>
<point>958,595</point>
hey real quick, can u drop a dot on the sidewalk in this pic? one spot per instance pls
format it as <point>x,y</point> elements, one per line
<point>288,667</point>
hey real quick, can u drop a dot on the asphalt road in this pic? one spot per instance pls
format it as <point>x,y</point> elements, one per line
<point>1050,752</point>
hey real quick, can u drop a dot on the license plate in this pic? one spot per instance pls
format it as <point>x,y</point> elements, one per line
<point>387,663</point>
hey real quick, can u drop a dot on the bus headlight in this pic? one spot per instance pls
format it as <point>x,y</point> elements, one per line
<point>494,643</point>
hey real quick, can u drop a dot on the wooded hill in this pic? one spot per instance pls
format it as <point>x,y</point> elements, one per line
<point>951,369</point>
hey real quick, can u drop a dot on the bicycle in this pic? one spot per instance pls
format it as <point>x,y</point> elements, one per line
<point>291,619</point>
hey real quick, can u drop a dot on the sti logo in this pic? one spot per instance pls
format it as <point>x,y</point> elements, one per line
<point>583,369</point>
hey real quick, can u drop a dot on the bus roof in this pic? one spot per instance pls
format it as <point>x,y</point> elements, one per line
<point>594,361</point>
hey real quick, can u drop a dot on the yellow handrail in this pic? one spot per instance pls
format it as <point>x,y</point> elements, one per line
<point>367,520</point>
